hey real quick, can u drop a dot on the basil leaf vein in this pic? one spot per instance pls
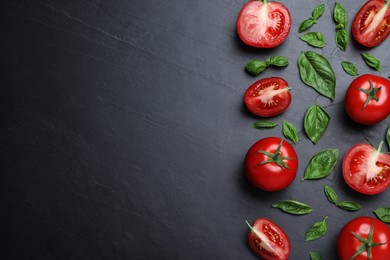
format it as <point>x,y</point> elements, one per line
<point>293,207</point>
<point>350,68</point>
<point>372,61</point>
<point>316,72</point>
<point>317,230</point>
<point>290,131</point>
<point>383,214</point>
<point>264,124</point>
<point>321,164</point>
<point>315,122</point>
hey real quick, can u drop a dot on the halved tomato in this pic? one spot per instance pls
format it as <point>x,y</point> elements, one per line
<point>262,24</point>
<point>367,170</point>
<point>268,97</point>
<point>371,25</point>
<point>268,240</point>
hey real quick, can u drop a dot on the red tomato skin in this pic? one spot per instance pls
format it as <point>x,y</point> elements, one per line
<point>253,97</point>
<point>267,38</point>
<point>284,243</point>
<point>270,176</point>
<point>356,166</point>
<point>347,243</point>
<point>375,111</point>
<point>370,39</point>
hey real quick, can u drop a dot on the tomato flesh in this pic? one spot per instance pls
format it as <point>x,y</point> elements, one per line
<point>371,25</point>
<point>270,176</point>
<point>348,243</point>
<point>263,25</point>
<point>366,170</point>
<point>268,240</point>
<point>268,97</point>
<point>355,99</point>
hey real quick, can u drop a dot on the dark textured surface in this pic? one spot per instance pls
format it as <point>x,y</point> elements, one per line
<point>123,131</point>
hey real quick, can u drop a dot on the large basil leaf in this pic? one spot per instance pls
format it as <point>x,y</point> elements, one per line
<point>372,61</point>
<point>264,124</point>
<point>290,131</point>
<point>342,38</point>
<point>317,230</point>
<point>316,72</point>
<point>331,195</point>
<point>340,15</point>
<point>314,39</point>
<point>383,214</point>
<point>315,256</point>
<point>349,68</point>
<point>293,207</point>
<point>315,123</point>
<point>321,164</point>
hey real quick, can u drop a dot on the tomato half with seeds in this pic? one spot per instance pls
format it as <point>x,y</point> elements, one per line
<point>366,169</point>
<point>263,24</point>
<point>268,240</point>
<point>268,97</point>
<point>271,164</point>
<point>371,25</point>
<point>364,238</point>
<point>367,100</point>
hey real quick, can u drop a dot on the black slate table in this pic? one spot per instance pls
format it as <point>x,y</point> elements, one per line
<point>123,131</point>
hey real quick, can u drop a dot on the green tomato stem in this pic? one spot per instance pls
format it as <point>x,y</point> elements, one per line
<point>266,1</point>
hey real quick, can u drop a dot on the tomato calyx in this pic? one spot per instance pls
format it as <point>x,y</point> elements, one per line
<point>371,93</point>
<point>276,157</point>
<point>367,243</point>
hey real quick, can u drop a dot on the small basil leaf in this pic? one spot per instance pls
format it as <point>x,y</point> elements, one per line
<point>315,123</point>
<point>349,68</point>
<point>293,207</point>
<point>372,61</point>
<point>342,39</point>
<point>331,195</point>
<point>340,15</point>
<point>318,11</point>
<point>315,256</point>
<point>316,72</point>
<point>278,61</point>
<point>349,205</point>
<point>388,136</point>
<point>314,39</point>
<point>317,230</point>
<point>264,125</point>
<point>255,67</point>
<point>321,164</point>
<point>290,131</point>
<point>383,214</point>
<point>306,24</point>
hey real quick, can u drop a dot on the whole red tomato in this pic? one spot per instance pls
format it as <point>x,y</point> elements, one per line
<point>268,97</point>
<point>263,24</point>
<point>364,238</point>
<point>371,25</point>
<point>268,240</point>
<point>367,100</point>
<point>271,164</point>
<point>367,170</point>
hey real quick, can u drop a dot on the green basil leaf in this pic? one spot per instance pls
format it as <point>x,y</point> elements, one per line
<point>340,15</point>
<point>383,214</point>
<point>342,38</point>
<point>316,72</point>
<point>388,136</point>
<point>372,61</point>
<point>349,205</point>
<point>317,230</point>
<point>315,123</point>
<point>314,39</point>
<point>331,195</point>
<point>278,61</point>
<point>293,207</point>
<point>290,131</point>
<point>318,11</point>
<point>349,68</point>
<point>255,67</point>
<point>306,24</point>
<point>321,164</point>
<point>315,256</point>
<point>264,124</point>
